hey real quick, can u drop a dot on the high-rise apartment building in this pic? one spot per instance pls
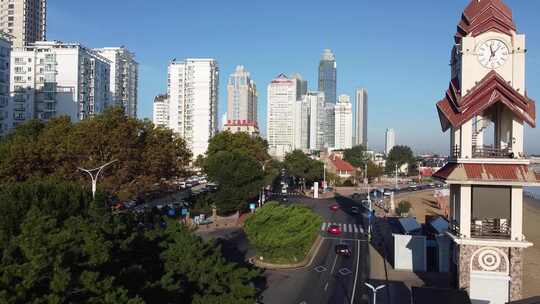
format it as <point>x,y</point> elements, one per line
<point>317,120</point>
<point>390,141</point>
<point>343,123</point>
<point>124,78</point>
<point>328,76</point>
<point>241,102</point>
<point>301,124</point>
<point>301,85</point>
<point>25,20</point>
<point>5,53</point>
<point>50,79</point>
<point>193,101</point>
<point>330,127</point>
<point>160,114</point>
<point>280,116</point>
<point>361,117</point>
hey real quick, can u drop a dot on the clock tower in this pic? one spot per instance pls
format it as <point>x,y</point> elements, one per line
<point>485,109</point>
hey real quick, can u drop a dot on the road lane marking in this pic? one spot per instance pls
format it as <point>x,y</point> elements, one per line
<point>323,228</point>
<point>326,286</point>
<point>334,265</point>
<point>356,272</point>
<point>345,271</point>
<point>344,227</point>
<point>320,269</point>
<point>350,228</point>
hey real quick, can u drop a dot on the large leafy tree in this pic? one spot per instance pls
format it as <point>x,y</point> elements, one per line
<point>356,156</point>
<point>240,164</point>
<point>146,156</point>
<point>302,167</point>
<point>399,156</point>
<point>63,247</point>
<point>240,177</point>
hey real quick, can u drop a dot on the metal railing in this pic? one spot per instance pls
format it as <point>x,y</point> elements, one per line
<point>486,228</point>
<point>484,152</point>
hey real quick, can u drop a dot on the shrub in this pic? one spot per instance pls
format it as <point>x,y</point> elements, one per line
<point>403,207</point>
<point>282,234</point>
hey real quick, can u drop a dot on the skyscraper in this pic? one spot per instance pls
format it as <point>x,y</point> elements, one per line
<point>160,115</point>
<point>301,85</point>
<point>330,128</point>
<point>280,116</point>
<point>390,141</point>
<point>193,101</point>
<point>343,123</point>
<point>25,20</point>
<point>328,76</point>
<point>317,120</point>
<point>241,97</point>
<point>361,117</point>
<point>5,53</point>
<point>124,78</point>
<point>51,79</point>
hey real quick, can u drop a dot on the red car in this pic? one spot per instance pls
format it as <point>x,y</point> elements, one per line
<point>334,207</point>
<point>334,229</point>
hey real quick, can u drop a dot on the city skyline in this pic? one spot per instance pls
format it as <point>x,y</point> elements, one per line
<point>383,66</point>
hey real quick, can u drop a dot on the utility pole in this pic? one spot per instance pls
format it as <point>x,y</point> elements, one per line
<point>374,289</point>
<point>396,176</point>
<point>324,177</point>
<point>96,176</point>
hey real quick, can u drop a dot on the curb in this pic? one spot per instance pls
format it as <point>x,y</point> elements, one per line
<point>306,262</point>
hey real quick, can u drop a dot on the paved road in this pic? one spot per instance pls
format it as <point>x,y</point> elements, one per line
<point>330,278</point>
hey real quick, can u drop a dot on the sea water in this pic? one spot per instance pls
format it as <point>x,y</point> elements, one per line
<point>533,191</point>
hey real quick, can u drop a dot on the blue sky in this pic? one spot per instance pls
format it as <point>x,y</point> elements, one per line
<point>398,50</point>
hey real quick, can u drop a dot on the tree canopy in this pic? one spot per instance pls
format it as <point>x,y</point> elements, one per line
<point>282,234</point>
<point>146,156</point>
<point>399,156</point>
<point>240,165</point>
<point>301,166</point>
<point>60,246</point>
<point>356,156</point>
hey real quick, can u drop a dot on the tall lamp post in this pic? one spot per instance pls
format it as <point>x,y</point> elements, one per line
<point>369,204</point>
<point>374,289</point>
<point>95,176</point>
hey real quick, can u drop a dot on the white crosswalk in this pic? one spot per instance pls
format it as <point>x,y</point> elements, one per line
<point>347,228</point>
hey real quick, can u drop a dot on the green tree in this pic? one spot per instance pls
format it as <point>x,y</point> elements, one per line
<point>403,207</point>
<point>240,177</point>
<point>302,167</point>
<point>146,156</point>
<point>356,156</point>
<point>374,171</point>
<point>282,234</point>
<point>241,142</point>
<point>399,156</point>
<point>63,247</point>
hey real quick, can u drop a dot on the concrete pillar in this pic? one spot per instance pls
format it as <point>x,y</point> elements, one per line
<point>516,229</point>
<point>517,137</point>
<point>465,211</point>
<point>466,139</point>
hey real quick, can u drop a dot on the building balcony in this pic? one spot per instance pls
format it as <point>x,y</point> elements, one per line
<point>485,229</point>
<point>485,152</point>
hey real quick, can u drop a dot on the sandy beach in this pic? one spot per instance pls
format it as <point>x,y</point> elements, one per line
<point>423,203</point>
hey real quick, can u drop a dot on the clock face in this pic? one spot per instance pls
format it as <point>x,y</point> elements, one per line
<point>493,53</point>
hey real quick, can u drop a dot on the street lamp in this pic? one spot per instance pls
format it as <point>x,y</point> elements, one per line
<point>369,204</point>
<point>96,176</point>
<point>375,289</point>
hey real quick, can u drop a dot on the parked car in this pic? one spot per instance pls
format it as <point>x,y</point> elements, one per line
<point>343,249</point>
<point>334,229</point>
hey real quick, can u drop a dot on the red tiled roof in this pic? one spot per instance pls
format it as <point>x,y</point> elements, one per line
<point>488,173</point>
<point>341,165</point>
<point>455,110</point>
<point>484,16</point>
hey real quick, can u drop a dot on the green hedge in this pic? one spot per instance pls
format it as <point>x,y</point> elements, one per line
<point>282,234</point>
